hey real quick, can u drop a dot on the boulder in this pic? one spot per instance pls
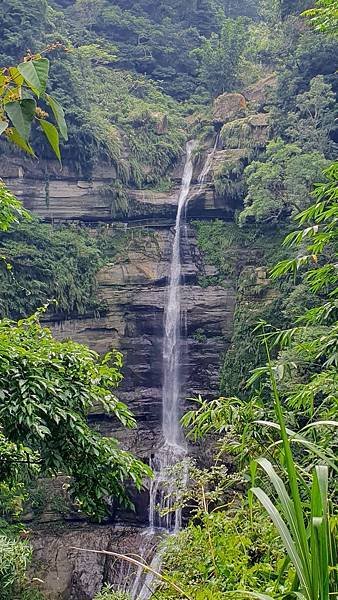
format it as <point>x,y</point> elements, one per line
<point>228,107</point>
<point>161,122</point>
<point>250,132</point>
<point>259,92</point>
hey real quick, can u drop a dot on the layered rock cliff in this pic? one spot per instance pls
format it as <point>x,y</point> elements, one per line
<point>131,292</point>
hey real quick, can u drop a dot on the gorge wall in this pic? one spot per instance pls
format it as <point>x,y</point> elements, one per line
<point>131,293</point>
<point>132,288</point>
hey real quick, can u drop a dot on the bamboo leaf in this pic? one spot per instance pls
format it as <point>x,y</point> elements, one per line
<point>296,437</point>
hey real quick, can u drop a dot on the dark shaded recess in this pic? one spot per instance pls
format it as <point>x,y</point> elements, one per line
<point>295,7</point>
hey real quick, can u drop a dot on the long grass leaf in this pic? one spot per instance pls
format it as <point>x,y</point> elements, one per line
<point>286,504</point>
<point>284,534</point>
<point>320,533</point>
<point>292,473</point>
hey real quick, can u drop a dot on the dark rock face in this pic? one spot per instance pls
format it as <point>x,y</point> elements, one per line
<point>70,573</point>
<point>134,293</point>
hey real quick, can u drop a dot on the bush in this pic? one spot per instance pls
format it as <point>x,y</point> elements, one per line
<point>42,263</point>
<point>222,552</point>
<point>15,556</point>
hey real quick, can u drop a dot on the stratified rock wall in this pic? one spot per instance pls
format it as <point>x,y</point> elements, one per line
<point>133,287</point>
<point>134,294</point>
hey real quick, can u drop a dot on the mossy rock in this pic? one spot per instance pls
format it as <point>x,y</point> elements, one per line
<point>247,133</point>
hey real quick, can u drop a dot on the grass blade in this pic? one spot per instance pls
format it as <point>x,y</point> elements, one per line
<point>320,533</point>
<point>284,534</point>
<point>286,505</point>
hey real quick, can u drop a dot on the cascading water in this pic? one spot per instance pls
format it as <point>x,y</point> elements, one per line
<point>173,449</point>
<point>163,487</point>
<point>208,163</point>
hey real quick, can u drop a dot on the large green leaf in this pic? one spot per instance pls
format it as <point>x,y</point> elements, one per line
<point>59,115</point>
<point>16,76</point>
<point>52,136</point>
<point>35,73</point>
<point>21,114</point>
<point>16,139</point>
<point>286,504</point>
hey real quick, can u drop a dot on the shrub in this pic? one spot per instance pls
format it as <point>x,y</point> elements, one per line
<point>15,556</point>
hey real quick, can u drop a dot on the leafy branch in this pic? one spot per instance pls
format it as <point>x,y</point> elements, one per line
<point>21,89</point>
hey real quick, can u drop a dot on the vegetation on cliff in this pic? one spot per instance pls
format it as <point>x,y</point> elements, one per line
<point>284,433</point>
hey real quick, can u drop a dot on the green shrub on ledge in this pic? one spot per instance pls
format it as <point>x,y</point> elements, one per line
<point>40,263</point>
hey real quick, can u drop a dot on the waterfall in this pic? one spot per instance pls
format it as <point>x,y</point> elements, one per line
<point>208,163</point>
<point>163,487</point>
<point>173,449</point>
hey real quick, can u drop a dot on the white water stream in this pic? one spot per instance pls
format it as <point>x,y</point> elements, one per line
<point>208,163</point>
<point>163,487</point>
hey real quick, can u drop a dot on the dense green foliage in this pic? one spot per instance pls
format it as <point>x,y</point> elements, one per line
<point>281,185</point>
<point>240,554</point>
<point>324,16</point>
<point>47,390</point>
<point>220,55</point>
<point>44,264</point>
<point>14,560</point>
